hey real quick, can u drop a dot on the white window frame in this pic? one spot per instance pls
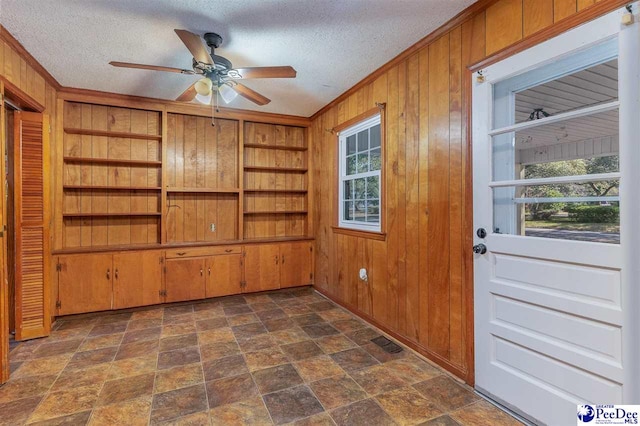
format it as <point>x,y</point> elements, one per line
<point>342,160</point>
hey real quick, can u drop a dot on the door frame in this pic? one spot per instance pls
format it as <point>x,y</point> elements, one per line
<point>17,97</point>
<point>629,96</point>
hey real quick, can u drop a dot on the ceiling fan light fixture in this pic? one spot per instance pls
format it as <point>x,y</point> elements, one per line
<point>204,99</point>
<point>227,93</point>
<point>203,86</point>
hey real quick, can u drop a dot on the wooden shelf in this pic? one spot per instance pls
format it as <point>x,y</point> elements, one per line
<point>108,133</point>
<point>276,169</point>
<point>205,190</point>
<point>277,212</point>
<point>89,160</point>
<point>113,188</point>
<point>278,191</point>
<point>110,214</point>
<point>278,147</point>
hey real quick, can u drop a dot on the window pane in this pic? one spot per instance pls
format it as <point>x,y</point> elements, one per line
<point>351,165</point>
<point>375,159</point>
<point>363,163</point>
<point>360,213</point>
<point>374,136</point>
<point>359,188</point>
<point>363,140</point>
<point>348,210</point>
<point>351,144</point>
<point>591,86</point>
<point>348,190</point>
<point>373,211</point>
<point>373,188</point>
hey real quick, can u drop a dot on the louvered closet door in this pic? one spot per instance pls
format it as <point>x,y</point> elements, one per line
<point>31,151</point>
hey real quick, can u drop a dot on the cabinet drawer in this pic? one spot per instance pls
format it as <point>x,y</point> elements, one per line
<point>202,251</point>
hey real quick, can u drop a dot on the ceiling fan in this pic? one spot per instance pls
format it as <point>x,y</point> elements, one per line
<point>217,72</point>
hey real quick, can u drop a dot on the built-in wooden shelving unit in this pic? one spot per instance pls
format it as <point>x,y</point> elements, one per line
<point>275,183</point>
<point>111,173</point>
<point>129,178</point>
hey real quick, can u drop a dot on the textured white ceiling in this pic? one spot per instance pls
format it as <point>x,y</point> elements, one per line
<point>332,44</point>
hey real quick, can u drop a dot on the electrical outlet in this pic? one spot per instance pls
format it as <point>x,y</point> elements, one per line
<point>212,227</point>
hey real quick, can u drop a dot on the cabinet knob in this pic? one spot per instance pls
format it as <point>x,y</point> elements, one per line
<point>108,273</point>
<point>209,271</point>
<point>201,272</point>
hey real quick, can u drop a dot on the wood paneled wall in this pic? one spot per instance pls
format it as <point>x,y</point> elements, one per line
<point>201,157</point>
<point>419,285</point>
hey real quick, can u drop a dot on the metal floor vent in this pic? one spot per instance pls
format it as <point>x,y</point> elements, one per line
<point>387,345</point>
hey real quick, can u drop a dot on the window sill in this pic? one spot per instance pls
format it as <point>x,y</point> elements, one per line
<point>379,236</point>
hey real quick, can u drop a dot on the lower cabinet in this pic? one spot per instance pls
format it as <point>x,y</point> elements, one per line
<point>295,264</point>
<point>184,279</point>
<point>202,272</point>
<point>137,279</point>
<point>84,283</point>
<point>103,281</point>
<point>262,267</point>
<point>92,282</point>
<point>273,266</point>
<point>224,275</point>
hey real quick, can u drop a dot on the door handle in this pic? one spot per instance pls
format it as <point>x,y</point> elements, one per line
<point>480,249</point>
<point>116,273</point>
<point>209,271</point>
<point>276,258</point>
<point>201,272</point>
<point>181,253</point>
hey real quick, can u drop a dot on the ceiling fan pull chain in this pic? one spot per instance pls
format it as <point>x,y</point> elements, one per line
<point>213,110</point>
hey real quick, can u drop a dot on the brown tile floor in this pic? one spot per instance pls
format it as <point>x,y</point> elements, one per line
<point>284,357</point>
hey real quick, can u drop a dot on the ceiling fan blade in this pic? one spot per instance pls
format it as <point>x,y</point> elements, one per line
<point>195,46</point>
<point>265,72</point>
<point>188,95</point>
<point>150,67</point>
<point>251,94</point>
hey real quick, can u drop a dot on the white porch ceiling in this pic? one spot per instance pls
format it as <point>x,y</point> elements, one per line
<point>332,44</point>
<point>592,86</point>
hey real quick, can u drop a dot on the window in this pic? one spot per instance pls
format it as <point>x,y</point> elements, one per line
<point>360,166</point>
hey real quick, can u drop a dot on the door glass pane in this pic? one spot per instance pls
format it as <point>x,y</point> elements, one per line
<point>583,145</point>
<point>587,87</point>
<point>567,211</point>
<point>563,148</point>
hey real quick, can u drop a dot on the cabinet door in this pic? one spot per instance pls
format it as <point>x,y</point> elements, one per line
<point>262,267</point>
<point>184,279</point>
<point>137,279</point>
<point>84,283</point>
<point>224,274</point>
<point>295,264</point>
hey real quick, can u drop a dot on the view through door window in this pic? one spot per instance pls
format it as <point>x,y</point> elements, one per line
<point>559,150</point>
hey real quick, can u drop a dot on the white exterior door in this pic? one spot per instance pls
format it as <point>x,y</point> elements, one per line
<point>556,137</point>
